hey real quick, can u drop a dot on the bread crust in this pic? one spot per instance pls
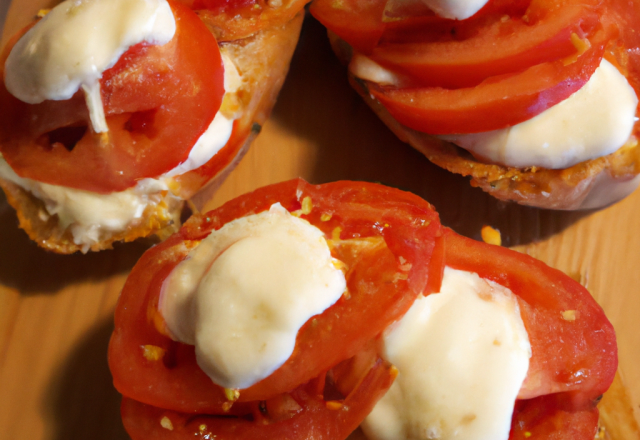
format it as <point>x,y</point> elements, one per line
<point>263,61</point>
<point>269,14</point>
<point>587,185</point>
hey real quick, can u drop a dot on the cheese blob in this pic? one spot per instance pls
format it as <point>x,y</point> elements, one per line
<point>76,42</point>
<point>451,9</point>
<point>593,122</point>
<point>462,356</point>
<point>244,292</point>
<point>455,9</point>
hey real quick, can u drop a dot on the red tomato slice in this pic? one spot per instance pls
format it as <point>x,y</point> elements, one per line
<point>500,47</point>
<point>576,353</point>
<point>387,237</point>
<point>316,418</point>
<point>358,22</point>
<point>624,16</point>
<point>496,103</point>
<point>553,418</point>
<point>158,101</point>
<point>363,24</point>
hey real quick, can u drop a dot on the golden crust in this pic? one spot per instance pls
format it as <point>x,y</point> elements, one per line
<point>161,220</point>
<point>268,14</point>
<point>263,61</point>
<point>576,187</point>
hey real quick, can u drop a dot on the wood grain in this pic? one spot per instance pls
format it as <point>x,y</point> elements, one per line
<point>56,311</point>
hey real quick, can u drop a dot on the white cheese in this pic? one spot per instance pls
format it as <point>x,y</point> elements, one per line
<point>462,356</point>
<point>607,190</point>
<point>452,9</point>
<point>209,143</point>
<point>76,42</point>
<point>365,68</point>
<point>91,217</point>
<point>244,292</point>
<point>593,122</point>
<point>455,9</point>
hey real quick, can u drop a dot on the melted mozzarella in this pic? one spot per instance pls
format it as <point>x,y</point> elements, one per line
<point>455,9</point>
<point>91,217</point>
<point>76,42</point>
<point>462,356</point>
<point>211,141</point>
<point>452,9</point>
<point>244,292</point>
<point>365,68</point>
<point>593,122</point>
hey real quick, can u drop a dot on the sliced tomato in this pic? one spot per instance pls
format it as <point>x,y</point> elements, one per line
<point>624,15</point>
<point>384,236</point>
<point>158,101</point>
<point>358,22</point>
<point>363,24</point>
<point>498,102</point>
<point>501,47</point>
<point>553,418</point>
<point>573,343</point>
<point>316,418</point>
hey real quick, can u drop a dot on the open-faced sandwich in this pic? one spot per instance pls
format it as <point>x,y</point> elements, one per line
<point>301,311</point>
<point>113,112</point>
<point>535,100</point>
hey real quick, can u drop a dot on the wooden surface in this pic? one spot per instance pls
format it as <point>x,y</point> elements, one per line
<point>56,311</point>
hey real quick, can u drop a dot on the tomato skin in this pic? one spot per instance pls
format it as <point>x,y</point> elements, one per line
<point>404,226</point>
<point>359,22</point>
<point>503,66</point>
<point>365,24</point>
<point>553,418</point>
<point>515,46</point>
<point>497,103</point>
<point>576,357</point>
<point>175,89</point>
<point>316,420</point>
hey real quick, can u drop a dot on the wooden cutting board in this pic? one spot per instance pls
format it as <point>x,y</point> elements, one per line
<point>56,311</point>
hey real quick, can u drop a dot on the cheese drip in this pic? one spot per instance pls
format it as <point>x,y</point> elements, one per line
<point>244,292</point>
<point>76,42</point>
<point>593,122</point>
<point>462,356</point>
<point>451,9</point>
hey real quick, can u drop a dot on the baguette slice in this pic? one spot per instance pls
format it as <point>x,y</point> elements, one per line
<point>262,60</point>
<point>588,185</point>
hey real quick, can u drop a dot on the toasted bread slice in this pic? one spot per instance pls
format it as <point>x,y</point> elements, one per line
<point>262,60</point>
<point>591,184</point>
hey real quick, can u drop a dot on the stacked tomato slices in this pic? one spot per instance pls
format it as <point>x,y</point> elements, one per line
<point>507,63</point>
<point>393,249</point>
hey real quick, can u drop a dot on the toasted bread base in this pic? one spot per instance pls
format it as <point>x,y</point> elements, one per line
<point>263,61</point>
<point>587,185</point>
